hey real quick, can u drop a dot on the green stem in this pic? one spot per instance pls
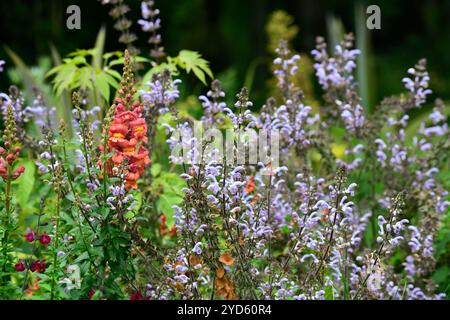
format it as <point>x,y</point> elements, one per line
<point>5,239</point>
<point>55,254</point>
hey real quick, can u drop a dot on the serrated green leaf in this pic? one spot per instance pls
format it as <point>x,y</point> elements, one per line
<point>102,84</point>
<point>64,78</point>
<point>155,169</point>
<point>171,66</point>
<point>84,78</point>
<point>193,61</point>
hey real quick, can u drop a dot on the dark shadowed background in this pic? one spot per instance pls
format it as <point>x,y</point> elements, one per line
<point>230,34</point>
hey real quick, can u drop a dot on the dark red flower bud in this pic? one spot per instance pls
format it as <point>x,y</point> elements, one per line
<point>38,265</point>
<point>45,239</point>
<point>42,266</point>
<point>19,267</point>
<point>91,293</point>
<point>30,236</point>
<point>10,158</point>
<point>136,296</point>
<point>18,172</point>
<point>34,266</point>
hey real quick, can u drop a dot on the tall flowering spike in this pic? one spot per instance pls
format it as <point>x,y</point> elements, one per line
<point>417,83</point>
<point>10,153</point>
<point>127,132</point>
<point>152,23</point>
<point>212,106</point>
<point>335,75</point>
<point>286,65</point>
<point>127,90</point>
<point>122,23</point>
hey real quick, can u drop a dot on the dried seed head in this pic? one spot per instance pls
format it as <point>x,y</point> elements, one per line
<point>76,99</point>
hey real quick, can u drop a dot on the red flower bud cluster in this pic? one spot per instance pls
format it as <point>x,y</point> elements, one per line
<point>163,225</point>
<point>38,265</point>
<point>20,266</point>
<point>7,158</point>
<point>91,293</point>
<point>136,296</point>
<point>44,238</point>
<point>164,229</point>
<point>126,135</point>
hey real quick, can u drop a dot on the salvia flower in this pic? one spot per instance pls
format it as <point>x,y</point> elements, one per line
<point>151,23</point>
<point>335,75</point>
<point>162,92</point>
<point>417,84</point>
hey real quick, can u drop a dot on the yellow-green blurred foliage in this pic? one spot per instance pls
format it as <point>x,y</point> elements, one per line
<point>280,26</point>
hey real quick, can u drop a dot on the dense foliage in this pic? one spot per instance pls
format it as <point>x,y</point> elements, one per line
<point>126,201</point>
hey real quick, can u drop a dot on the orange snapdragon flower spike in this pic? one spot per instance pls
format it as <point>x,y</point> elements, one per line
<point>127,132</point>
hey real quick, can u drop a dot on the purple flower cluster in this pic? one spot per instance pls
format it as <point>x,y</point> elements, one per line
<point>335,75</point>
<point>213,108</point>
<point>162,93</point>
<point>417,83</point>
<point>84,117</point>
<point>151,23</point>
<point>335,71</point>
<point>293,119</point>
<point>248,210</point>
<point>120,198</point>
<point>286,65</point>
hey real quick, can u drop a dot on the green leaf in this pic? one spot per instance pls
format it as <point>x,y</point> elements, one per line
<point>113,73</point>
<point>54,70</point>
<point>112,81</point>
<point>109,55</point>
<point>79,60</point>
<point>193,61</point>
<point>64,78</point>
<point>171,194</point>
<point>171,65</point>
<point>137,199</point>
<point>24,184</point>
<point>329,293</point>
<point>63,103</point>
<point>83,52</point>
<point>441,274</point>
<point>134,59</point>
<point>155,169</point>
<point>26,75</point>
<point>164,205</point>
<point>102,84</point>
<point>85,78</point>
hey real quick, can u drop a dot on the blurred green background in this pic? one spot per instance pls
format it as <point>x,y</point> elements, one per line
<point>231,34</point>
